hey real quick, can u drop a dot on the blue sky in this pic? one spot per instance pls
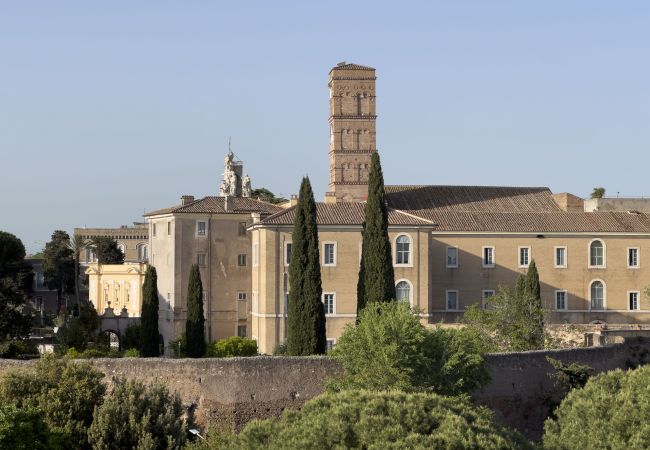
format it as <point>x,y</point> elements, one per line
<point>111,108</point>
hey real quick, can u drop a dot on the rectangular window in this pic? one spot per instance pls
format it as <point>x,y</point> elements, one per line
<point>328,303</point>
<point>452,257</point>
<point>241,260</point>
<point>287,253</point>
<point>560,257</point>
<point>560,300</point>
<point>169,228</point>
<point>486,294</point>
<point>241,331</point>
<point>39,303</point>
<point>524,256</point>
<point>242,228</point>
<point>241,296</point>
<point>633,257</point>
<point>452,300</point>
<point>329,344</point>
<point>488,256</point>
<point>153,229</point>
<point>329,254</point>
<point>201,259</point>
<point>633,300</point>
<point>286,304</point>
<point>201,227</point>
<point>256,254</point>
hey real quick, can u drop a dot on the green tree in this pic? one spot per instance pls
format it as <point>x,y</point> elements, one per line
<point>66,392</point>
<point>149,335</point>
<point>510,321</point>
<point>195,323</point>
<point>266,196</point>
<point>138,416</point>
<point>58,266</point>
<point>390,349</point>
<point>77,332</point>
<point>24,429</point>
<point>377,263</point>
<point>534,295</point>
<point>598,192</point>
<point>132,337</point>
<point>612,411</point>
<point>107,250</point>
<point>379,420</point>
<point>16,278</point>
<point>77,245</point>
<point>306,317</point>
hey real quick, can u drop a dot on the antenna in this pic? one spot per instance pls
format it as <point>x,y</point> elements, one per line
<point>229,151</point>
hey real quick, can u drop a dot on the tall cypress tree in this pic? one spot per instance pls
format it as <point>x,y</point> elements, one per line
<point>361,288</point>
<point>376,259</point>
<point>536,309</point>
<point>306,315</point>
<point>149,338</point>
<point>520,285</point>
<point>195,323</point>
<point>532,282</point>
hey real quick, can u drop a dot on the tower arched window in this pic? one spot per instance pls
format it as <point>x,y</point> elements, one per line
<point>403,250</point>
<point>143,252</point>
<point>596,253</point>
<point>597,295</point>
<point>403,291</point>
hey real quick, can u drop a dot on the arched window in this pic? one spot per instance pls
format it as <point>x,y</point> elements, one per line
<point>122,248</point>
<point>596,253</point>
<point>597,294</point>
<point>143,252</point>
<point>403,249</point>
<point>403,291</point>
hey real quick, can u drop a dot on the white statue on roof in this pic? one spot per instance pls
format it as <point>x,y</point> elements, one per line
<point>232,183</point>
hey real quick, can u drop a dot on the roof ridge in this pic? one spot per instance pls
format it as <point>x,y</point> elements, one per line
<point>464,186</point>
<point>414,216</point>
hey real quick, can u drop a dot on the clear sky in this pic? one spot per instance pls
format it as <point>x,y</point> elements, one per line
<point>111,108</point>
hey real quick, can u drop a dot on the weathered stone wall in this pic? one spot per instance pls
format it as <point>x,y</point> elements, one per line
<point>227,393</point>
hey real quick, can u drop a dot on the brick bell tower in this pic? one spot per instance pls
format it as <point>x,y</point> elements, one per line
<point>353,137</point>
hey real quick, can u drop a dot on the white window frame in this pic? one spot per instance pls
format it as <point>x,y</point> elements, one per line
<point>491,265</point>
<point>604,265</point>
<point>333,294</point>
<point>239,325</point>
<point>447,291</point>
<point>638,258</point>
<point>122,247</point>
<point>566,257</point>
<point>451,266</point>
<point>566,299</point>
<point>333,264</point>
<point>285,254</point>
<point>256,254</point>
<point>484,297</point>
<point>205,259</point>
<point>205,230</point>
<point>410,251</point>
<point>604,295</point>
<point>332,340</point>
<point>519,249</point>
<point>410,299</point>
<point>638,300</point>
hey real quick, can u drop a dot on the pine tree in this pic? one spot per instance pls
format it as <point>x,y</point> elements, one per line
<point>149,341</point>
<point>195,324</point>
<point>377,262</point>
<point>306,316</point>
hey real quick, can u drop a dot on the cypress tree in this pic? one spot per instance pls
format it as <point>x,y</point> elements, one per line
<point>149,341</point>
<point>520,285</point>
<point>377,262</point>
<point>306,315</point>
<point>195,323</point>
<point>535,307</point>
<point>532,282</point>
<point>361,288</point>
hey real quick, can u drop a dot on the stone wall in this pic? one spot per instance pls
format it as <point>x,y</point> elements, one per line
<point>227,393</point>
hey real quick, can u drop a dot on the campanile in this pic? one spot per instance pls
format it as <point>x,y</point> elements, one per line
<point>353,137</point>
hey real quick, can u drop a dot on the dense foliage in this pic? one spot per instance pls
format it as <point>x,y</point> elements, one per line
<point>132,337</point>
<point>306,316</point>
<point>59,265</point>
<point>76,332</point>
<point>612,411</point>
<point>232,346</point>
<point>137,416</point>
<point>107,250</point>
<point>149,335</point>
<point>24,429</point>
<point>376,275</point>
<point>65,392</point>
<point>390,349</point>
<point>379,420</point>
<point>598,192</point>
<point>16,348</point>
<point>195,323</point>
<point>266,196</point>
<point>15,285</point>
<point>569,376</point>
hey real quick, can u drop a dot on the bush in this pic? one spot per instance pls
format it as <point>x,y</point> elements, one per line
<point>569,376</point>
<point>132,353</point>
<point>612,411</point>
<point>179,346</point>
<point>16,348</point>
<point>138,416</point>
<point>132,337</point>
<point>24,429</point>
<point>78,331</point>
<point>280,350</point>
<point>390,349</point>
<point>90,353</point>
<point>380,420</point>
<point>232,346</point>
<point>66,392</point>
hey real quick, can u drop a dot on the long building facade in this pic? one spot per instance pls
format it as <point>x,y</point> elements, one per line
<point>452,246</point>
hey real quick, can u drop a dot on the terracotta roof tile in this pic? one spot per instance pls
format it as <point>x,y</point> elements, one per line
<point>217,205</point>
<point>351,66</point>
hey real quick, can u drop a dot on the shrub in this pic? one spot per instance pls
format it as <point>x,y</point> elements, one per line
<point>365,419</point>
<point>90,353</point>
<point>16,348</point>
<point>138,416</point>
<point>390,349</point>
<point>132,353</point>
<point>24,429</point>
<point>232,346</point>
<point>132,337</point>
<point>569,376</point>
<point>280,350</point>
<point>612,411</point>
<point>78,331</point>
<point>179,346</point>
<point>66,392</point>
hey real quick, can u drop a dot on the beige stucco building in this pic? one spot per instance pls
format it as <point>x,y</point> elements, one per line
<point>117,287</point>
<point>132,240</point>
<point>453,246</point>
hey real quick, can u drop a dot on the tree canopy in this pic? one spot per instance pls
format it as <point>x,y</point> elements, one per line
<point>16,278</point>
<point>598,192</point>
<point>266,196</point>
<point>107,250</point>
<point>58,266</point>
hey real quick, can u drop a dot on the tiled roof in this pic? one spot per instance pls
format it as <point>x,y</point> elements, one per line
<point>351,66</point>
<point>471,198</point>
<point>539,222</point>
<point>217,205</point>
<point>343,214</point>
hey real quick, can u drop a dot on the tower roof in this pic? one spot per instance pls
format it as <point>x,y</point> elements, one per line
<point>351,66</point>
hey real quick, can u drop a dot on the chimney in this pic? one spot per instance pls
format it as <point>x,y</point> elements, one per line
<point>186,199</point>
<point>226,206</point>
<point>294,200</point>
